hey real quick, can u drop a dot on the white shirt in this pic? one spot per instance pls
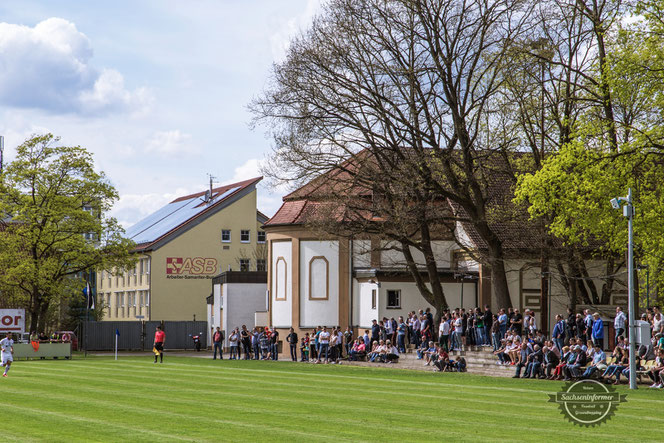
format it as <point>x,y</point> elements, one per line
<point>324,337</point>
<point>446,328</point>
<point>619,321</point>
<point>458,325</point>
<point>7,344</point>
<point>657,324</point>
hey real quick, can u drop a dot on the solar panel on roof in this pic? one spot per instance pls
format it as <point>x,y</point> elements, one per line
<point>171,216</point>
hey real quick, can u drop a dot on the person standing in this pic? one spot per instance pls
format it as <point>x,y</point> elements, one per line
<point>488,323</point>
<point>598,330</point>
<point>255,342</point>
<point>558,333</point>
<point>348,336</point>
<point>7,346</point>
<point>401,335</point>
<point>274,344</point>
<point>218,343</point>
<point>159,340</point>
<point>619,323</point>
<point>291,338</point>
<point>233,340</point>
<point>324,339</point>
<point>245,339</point>
<point>375,331</point>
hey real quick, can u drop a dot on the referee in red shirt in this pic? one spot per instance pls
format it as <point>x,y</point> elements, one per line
<point>159,338</point>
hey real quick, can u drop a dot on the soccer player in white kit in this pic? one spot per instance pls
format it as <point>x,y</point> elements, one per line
<point>7,346</point>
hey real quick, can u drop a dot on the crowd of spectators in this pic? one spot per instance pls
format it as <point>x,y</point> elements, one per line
<point>577,348</point>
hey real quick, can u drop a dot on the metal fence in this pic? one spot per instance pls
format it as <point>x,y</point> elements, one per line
<point>139,335</point>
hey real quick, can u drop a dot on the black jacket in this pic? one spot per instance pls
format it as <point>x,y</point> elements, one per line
<point>292,338</point>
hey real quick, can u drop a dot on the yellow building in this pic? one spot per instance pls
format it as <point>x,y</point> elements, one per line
<point>181,247</point>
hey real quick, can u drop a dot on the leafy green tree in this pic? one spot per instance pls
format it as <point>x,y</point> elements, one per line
<point>617,143</point>
<point>54,207</point>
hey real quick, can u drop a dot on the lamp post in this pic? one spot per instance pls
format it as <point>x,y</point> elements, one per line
<point>628,211</point>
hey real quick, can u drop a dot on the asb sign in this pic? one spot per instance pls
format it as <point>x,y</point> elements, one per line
<point>12,320</point>
<point>190,267</point>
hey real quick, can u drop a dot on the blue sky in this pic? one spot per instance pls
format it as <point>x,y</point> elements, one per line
<point>157,90</point>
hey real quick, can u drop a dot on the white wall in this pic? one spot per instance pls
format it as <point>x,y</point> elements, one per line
<point>282,310</point>
<point>319,312</point>
<point>442,251</point>
<point>241,301</point>
<point>362,304</point>
<point>411,300</point>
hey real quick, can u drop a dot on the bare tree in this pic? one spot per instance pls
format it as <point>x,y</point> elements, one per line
<point>411,83</point>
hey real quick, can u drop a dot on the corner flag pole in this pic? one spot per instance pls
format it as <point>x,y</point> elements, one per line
<point>117,334</point>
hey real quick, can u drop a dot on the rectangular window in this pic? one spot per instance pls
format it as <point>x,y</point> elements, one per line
<point>260,265</point>
<point>244,236</point>
<point>244,264</point>
<point>147,298</point>
<point>260,237</point>
<point>101,280</point>
<point>393,299</point>
<point>373,299</point>
<point>226,235</point>
<point>147,265</point>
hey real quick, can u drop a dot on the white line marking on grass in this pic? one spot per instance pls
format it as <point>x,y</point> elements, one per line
<point>69,416</point>
<point>433,384</point>
<point>517,415</point>
<point>194,417</point>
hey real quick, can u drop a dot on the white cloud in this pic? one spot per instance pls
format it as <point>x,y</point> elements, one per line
<point>131,208</point>
<point>48,67</point>
<point>280,40</point>
<point>249,169</point>
<point>170,142</point>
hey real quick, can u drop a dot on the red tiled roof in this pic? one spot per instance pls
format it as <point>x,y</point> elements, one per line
<point>509,221</point>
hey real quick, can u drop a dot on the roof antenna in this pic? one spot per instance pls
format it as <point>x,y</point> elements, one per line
<point>208,193</point>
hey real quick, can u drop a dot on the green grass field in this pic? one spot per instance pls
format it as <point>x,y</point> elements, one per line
<point>193,399</point>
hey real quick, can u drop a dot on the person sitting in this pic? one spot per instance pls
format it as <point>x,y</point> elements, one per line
<point>358,350</point>
<point>598,362</point>
<point>551,359</point>
<point>429,353</point>
<point>579,359</point>
<point>622,362</point>
<point>424,346</point>
<point>655,372</point>
<point>442,360</point>
<point>558,372</point>
<point>375,351</point>
<point>534,363</point>
<point>503,358</point>
<point>391,353</point>
<point>459,365</point>
<point>514,351</point>
<point>522,361</point>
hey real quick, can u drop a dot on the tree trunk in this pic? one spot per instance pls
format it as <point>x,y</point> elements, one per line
<point>43,310</point>
<point>34,310</point>
<point>498,276</point>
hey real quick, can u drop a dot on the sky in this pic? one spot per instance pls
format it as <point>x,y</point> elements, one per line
<point>156,90</point>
